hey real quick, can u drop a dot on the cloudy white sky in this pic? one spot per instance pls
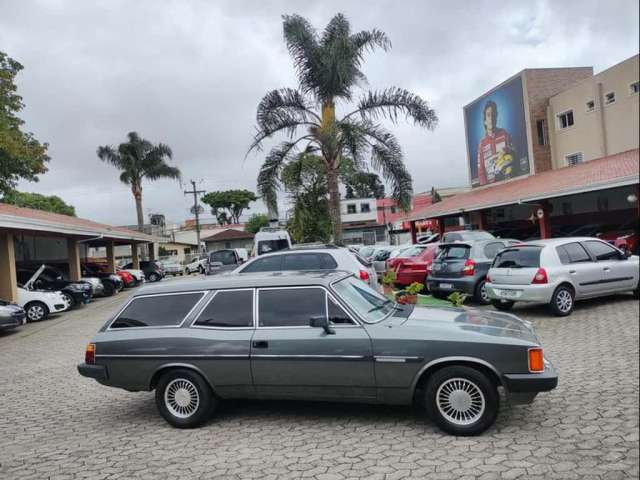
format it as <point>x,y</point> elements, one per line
<point>190,73</point>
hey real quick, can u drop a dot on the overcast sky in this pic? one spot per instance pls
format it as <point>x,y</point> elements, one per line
<point>190,74</point>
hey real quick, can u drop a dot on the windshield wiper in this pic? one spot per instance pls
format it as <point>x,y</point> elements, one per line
<point>379,307</point>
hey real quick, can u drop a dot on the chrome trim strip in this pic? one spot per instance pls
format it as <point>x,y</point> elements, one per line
<point>330,357</point>
<point>396,359</point>
<point>108,355</point>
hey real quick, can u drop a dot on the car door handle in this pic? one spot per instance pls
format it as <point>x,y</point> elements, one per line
<point>606,269</point>
<point>572,272</point>
<point>260,344</point>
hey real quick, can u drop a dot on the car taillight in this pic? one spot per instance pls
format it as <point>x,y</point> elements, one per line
<point>487,279</point>
<point>540,277</point>
<point>469,268</point>
<point>90,354</point>
<point>536,360</point>
<point>364,275</point>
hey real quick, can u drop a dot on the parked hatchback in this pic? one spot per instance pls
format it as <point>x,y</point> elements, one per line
<point>314,336</point>
<point>153,271</point>
<point>559,272</point>
<point>328,257</point>
<point>463,267</point>
<point>413,264</point>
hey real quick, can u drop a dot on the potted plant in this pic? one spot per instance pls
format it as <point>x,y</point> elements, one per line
<point>457,299</point>
<point>388,280</point>
<point>410,294</point>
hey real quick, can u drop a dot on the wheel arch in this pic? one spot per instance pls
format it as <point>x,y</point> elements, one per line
<point>422,377</point>
<point>162,369</point>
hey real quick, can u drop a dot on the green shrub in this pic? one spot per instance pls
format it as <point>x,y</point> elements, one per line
<point>415,288</point>
<point>457,299</point>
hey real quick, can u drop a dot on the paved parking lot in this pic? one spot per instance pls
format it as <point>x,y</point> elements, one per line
<point>58,425</point>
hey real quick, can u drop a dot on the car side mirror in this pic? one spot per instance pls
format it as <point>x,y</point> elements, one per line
<point>626,254</point>
<point>322,322</point>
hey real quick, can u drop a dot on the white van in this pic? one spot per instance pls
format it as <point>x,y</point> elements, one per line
<point>271,239</point>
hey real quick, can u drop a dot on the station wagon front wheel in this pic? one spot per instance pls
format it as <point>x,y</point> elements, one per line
<point>461,400</point>
<point>184,399</point>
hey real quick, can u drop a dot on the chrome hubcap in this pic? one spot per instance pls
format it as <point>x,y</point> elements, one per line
<point>460,401</point>
<point>181,398</point>
<point>35,313</point>
<point>564,301</point>
<point>483,293</point>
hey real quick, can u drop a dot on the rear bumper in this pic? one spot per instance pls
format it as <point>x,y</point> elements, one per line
<point>459,284</point>
<point>521,293</point>
<point>407,278</point>
<point>98,372</point>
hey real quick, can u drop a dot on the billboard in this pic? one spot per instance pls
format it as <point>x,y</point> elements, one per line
<point>497,135</point>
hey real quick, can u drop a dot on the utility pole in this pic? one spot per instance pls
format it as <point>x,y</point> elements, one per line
<point>196,209</point>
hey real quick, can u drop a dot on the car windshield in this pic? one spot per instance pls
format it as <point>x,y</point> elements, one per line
<point>369,304</point>
<point>521,257</point>
<point>476,235</point>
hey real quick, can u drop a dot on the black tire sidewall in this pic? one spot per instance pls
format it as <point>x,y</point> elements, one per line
<point>109,289</point>
<point>72,302</point>
<point>207,405</point>
<point>478,293</point>
<point>554,305</point>
<point>488,388</point>
<point>154,277</point>
<point>503,305</point>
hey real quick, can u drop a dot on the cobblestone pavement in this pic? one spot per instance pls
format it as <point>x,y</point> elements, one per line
<point>57,425</point>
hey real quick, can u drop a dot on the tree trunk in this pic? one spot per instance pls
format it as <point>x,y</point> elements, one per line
<point>137,195</point>
<point>334,204</point>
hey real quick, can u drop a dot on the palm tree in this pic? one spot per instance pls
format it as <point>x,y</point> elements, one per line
<point>328,70</point>
<point>139,159</point>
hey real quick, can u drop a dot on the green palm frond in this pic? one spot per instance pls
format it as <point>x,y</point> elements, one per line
<point>269,176</point>
<point>394,101</point>
<point>302,42</point>
<point>284,106</point>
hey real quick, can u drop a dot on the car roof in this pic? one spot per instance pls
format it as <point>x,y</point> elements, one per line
<point>248,280</point>
<point>311,246</point>
<point>554,242</point>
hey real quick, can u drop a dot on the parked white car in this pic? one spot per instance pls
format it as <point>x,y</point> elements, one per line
<point>38,304</point>
<point>560,271</point>
<point>270,239</point>
<point>198,264</point>
<point>171,267</point>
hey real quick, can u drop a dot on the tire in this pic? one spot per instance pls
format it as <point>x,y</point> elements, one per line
<point>503,305</point>
<point>636,292</point>
<point>481,405</point>
<point>480,294</point>
<point>109,289</point>
<point>69,298</point>
<point>187,271</point>
<point>154,277</point>
<point>201,270</point>
<point>36,311</point>
<point>562,301</point>
<point>193,389</point>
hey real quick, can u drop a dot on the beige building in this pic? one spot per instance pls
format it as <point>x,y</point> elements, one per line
<point>595,117</point>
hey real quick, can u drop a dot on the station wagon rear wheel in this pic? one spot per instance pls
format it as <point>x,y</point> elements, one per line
<point>461,400</point>
<point>184,399</point>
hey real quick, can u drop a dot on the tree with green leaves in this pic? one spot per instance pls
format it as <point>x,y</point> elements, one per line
<point>37,201</point>
<point>256,222</point>
<point>328,67</point>
<point>138,160</point>
<point>21,155</point>
<point>435,196</point>
<point>359,183</point>
<point>228,205</point>
<point>305,179</point>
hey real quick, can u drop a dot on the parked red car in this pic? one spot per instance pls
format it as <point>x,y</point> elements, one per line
<point>128,279</point>
<point>412,264</point>
<point>624,237</point>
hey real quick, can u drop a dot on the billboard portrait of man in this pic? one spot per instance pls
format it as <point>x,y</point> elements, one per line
<point>496,135</point>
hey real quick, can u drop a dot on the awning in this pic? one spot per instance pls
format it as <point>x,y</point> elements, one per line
<point>613,171</point>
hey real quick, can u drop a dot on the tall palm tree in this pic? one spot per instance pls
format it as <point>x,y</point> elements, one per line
<point>328,70</point>
<point>139,159</point>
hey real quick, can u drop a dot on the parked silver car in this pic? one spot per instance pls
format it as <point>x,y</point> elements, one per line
<point>317,257</point>
<point>559,272</point>
<point>314,336</point>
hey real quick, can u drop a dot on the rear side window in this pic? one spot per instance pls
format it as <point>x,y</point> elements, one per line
<point>228,309</point>
<point>226,257</point>
<point>267,246</point>
<point>572,253</point>
<point>492,249</point>
<point>157,311</point>
<point>602,251</point>
<point>308,261</point>
<point>454,252</point>
<point>290,307</point>
<point>266,264</point>
<point>523,257</point>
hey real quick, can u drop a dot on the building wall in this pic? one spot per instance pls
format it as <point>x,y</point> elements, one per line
<point>361,205</point>
<point>237,243</point>
<point>607,129</point>
<point>540,84</point>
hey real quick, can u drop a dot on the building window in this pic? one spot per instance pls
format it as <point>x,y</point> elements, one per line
<point>365,208</point>
<point>591,106</point>
<point>574,159</point>
<point>609,98</point>
<point>541,127</point>
<point>393,209</point>
<point>565,119</point>
<point>634,88</point>
<point>351,208</point>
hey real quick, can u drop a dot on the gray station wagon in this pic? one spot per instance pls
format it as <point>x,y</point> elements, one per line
<point>314,336</point>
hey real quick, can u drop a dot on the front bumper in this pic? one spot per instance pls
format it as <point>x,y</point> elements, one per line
<point>521,293</point>
<point>458,284</point>
<point>12,321</point>
<point>80,297</point>
<point>98,372</point>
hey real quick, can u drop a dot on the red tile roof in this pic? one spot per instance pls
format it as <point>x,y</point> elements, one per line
<point>230,234</point>
<point>39,220</point>
<point>614,170</point>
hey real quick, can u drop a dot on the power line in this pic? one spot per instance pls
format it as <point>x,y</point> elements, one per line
<point>196,208</point>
